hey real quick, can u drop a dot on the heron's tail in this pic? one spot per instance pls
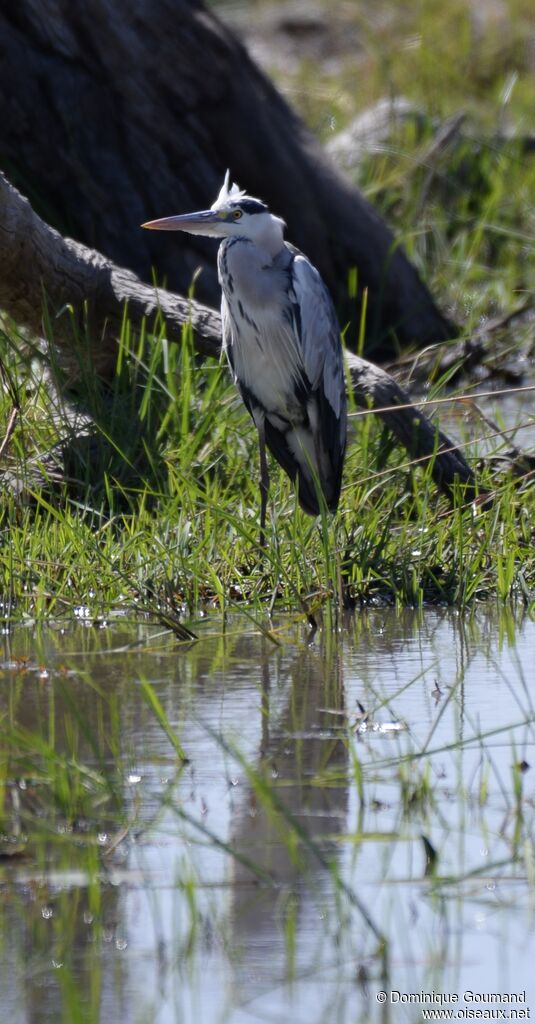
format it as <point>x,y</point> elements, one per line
<point>316,472</point>
<point>307,492</point>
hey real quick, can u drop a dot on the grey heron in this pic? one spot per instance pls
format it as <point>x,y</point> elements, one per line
<point>282,341</point>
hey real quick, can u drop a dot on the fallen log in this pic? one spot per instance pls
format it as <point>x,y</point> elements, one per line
<point>84,294</point>
<point>374,389</point>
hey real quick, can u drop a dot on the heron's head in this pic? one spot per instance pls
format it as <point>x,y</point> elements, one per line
<point>233,213</point>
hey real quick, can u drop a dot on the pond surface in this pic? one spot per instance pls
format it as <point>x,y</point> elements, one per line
<point>259,881</point>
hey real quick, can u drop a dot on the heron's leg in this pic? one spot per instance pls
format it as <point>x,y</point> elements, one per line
<point>264,482</point>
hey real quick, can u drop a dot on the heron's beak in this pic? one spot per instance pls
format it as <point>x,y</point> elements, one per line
<point>196,223</point>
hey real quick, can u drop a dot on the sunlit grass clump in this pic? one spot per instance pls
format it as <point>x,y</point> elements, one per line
<point>368,774</point>
<point>154,505</point>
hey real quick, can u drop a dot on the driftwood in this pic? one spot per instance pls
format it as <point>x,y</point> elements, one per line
<point>86,292</point>
<point>113,114</point>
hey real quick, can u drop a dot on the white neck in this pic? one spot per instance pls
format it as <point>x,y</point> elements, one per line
<point>270,235</point>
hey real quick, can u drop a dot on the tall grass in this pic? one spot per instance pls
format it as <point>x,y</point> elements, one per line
<point>154,505</point>
<point>157,509</point>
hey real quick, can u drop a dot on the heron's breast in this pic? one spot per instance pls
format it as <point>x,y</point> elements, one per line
<point>266,360</point>
<point>265,350</point>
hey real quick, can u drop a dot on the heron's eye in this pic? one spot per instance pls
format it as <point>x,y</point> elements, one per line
<point>237,214</point>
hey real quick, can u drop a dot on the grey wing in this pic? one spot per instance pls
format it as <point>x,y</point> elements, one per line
<point>226,335</point>
<point>319,332</point>
<point>228,348</point>
<point>227,340</point>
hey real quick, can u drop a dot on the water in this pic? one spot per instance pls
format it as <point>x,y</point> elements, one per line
<point>205,902</point>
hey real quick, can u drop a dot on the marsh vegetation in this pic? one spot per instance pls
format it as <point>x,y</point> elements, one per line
<point>260,823</point>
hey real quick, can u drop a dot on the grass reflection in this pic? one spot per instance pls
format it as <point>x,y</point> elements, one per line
<point>346,807</point>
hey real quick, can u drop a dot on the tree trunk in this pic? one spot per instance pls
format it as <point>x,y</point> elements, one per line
<point>91,292</point>
<point>113,114</point>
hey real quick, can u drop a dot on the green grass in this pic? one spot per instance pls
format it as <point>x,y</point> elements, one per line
<point>159,509</point>
<point>156,507</point>
<point>154,513</point>
<point>94,790</point>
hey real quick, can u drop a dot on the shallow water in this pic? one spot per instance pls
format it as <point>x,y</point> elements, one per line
<point>221,902</point>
